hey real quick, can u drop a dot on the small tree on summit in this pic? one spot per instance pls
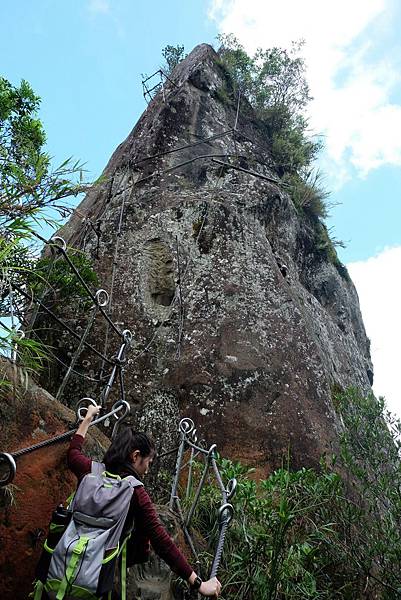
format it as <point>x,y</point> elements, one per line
<point>274,83</point>
<point>172,55</point>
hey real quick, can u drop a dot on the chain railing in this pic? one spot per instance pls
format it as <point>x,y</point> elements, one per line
<point>225,512</point>
<point>8,465</point>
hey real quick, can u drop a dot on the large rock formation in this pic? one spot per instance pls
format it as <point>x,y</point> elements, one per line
<point>240,318</point>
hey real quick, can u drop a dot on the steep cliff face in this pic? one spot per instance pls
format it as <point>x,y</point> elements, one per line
<point>239,319</point>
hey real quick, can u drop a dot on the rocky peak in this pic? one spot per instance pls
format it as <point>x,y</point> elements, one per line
<point>240,319</point>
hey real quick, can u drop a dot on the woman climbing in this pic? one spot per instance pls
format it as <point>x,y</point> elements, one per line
<point>131,453</point>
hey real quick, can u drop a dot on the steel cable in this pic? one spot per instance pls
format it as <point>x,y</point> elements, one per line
<point>225,512</point>
<point>76,355</point>
<point>80,278</point>
<point>58,438</point>
<point>60,322</point>
<point>114,267</point>
<point>219,550</point>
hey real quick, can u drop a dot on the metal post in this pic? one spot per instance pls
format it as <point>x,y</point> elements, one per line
<point>201,483</point>
<point>120,357</point>
<point>189,482</point>
<point>76,355</point>
<point>173,495</point>
<point>185,427</point>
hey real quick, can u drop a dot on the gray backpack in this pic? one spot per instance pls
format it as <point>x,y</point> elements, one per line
<point>83,561</point>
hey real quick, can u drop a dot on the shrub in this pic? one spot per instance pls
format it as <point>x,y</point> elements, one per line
<point>274,83</point>
<point>53,276</point>
<point>307,192</point>
<point>308,534</point>
<point>325,245</point>
<point>172,55</point>
<point>31,193</point>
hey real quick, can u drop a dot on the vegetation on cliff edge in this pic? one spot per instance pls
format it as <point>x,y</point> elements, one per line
<point>317,535</point>
<point>273,82</point>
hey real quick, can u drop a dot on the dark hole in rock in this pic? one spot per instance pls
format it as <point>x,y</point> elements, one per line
<point>163,298</point>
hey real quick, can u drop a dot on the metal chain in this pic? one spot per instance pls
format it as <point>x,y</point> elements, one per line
<point>225,513</point>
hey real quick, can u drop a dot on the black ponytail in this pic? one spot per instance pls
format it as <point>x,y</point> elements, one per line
<point>122,447</point>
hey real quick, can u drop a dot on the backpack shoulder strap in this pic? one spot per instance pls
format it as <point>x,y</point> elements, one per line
<point>133,481</point>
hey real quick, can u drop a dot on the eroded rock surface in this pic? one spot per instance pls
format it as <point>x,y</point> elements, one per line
<point>28,415</point>
<point>263,324</point>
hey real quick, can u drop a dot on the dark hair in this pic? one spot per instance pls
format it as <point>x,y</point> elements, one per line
<point>125,443</point>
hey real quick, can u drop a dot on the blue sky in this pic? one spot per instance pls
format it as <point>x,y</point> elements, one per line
<point>85,59</point>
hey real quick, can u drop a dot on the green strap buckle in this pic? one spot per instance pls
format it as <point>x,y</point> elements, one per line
<point>80,545</point>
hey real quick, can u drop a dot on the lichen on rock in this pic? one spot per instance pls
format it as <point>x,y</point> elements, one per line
<point>236,312</point>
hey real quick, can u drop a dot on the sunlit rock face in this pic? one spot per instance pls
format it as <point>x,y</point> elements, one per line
<point>239,317</point>
<point>28,415</point>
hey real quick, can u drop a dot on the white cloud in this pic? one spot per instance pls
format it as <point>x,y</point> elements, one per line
<point>99,6</point>
<point>103,8</point>
<point>352,90</point>
<point>379,289</point>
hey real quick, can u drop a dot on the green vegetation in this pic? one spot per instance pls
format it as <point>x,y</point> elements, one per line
<point>55,280</point>
<point>31,194</point>
<point>308,193</point>
<point>27,182</point>
<point>325,245</point>
<point>172,55</point>
<point>274,83</point>
<point>308,534</point>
